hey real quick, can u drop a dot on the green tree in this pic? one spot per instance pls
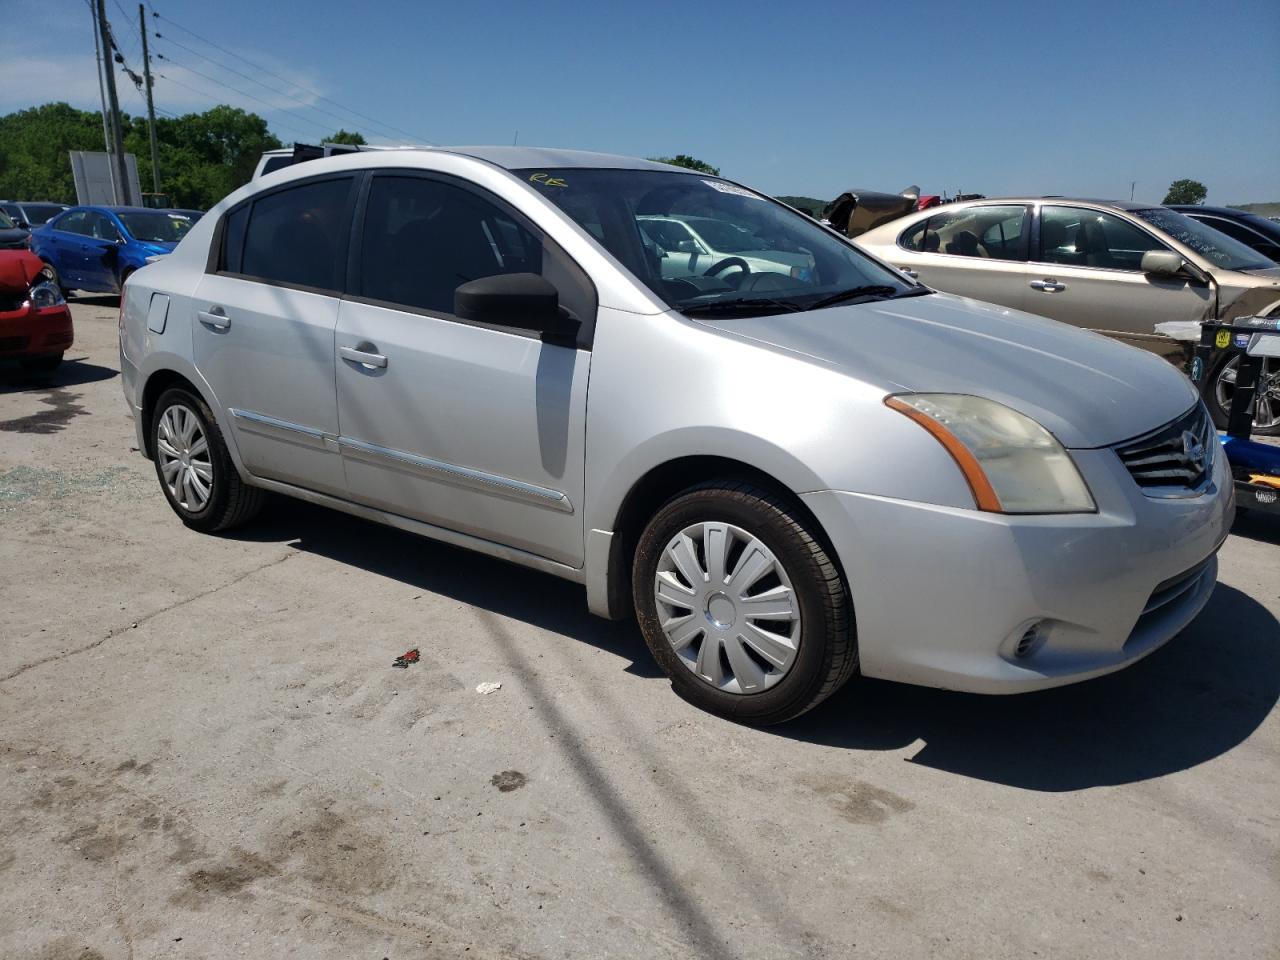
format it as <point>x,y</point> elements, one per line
<point>346,136</point>
<point>34,145</point>
<point>1186,191</point>
<point>203,156</point>
<point>691,163</point>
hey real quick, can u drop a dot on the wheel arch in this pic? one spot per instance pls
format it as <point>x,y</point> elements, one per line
<point>163,371</point>
<point>654,488</point>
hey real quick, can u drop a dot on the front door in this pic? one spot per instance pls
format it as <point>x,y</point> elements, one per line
<point>100,253</point>
<point>263,335</point>
<point>1086,271</point>
<point>478,429</point>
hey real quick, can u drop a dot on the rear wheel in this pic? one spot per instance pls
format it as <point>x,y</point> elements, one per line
<point>741,604</point>
<point>196,472</point>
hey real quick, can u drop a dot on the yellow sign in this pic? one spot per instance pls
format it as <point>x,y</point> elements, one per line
<point>1223,339</point>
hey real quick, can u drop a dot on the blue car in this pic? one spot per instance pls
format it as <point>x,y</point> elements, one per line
<point>96,248</point>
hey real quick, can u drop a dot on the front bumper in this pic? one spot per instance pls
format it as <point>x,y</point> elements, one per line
<point>943,596</point>
<point>29,332</point>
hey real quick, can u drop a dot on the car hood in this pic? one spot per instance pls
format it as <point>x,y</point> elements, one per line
<point>18,270</point>
<point>1088,390</point>
<point>11,235</point>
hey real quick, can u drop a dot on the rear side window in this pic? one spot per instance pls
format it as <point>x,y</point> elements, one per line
<point>297,237</point>
<point>233,240</point>
<point>74,222</point>
<point>995,232</point>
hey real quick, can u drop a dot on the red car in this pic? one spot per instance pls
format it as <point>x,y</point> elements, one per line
<point>35,322</point>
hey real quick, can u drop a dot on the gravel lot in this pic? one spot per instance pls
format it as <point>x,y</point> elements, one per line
<point>205,753</point>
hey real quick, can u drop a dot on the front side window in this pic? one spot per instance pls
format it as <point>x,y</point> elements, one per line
<point>298,236</point>
<point>705,245</point>
<point>1209,243</point>
<point>100,227</point>
<point>422,239</point>
<point>6,222</point>
<point>156,227</point>
<point>1075,236</point>
<point>995,232</point>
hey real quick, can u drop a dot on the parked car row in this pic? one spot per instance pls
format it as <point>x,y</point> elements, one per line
<point>96,248</point>
<point>555,358</point>
<point>1117,268</point>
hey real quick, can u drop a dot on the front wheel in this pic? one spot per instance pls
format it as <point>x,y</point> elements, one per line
<point>196,472</point>
<point>1266,408</point>
<point>741,605</point>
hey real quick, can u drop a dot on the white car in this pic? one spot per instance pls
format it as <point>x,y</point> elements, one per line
<point>694,246</point>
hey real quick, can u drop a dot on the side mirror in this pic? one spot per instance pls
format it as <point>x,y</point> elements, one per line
<point>526,301</point>
<point>1162,263</point>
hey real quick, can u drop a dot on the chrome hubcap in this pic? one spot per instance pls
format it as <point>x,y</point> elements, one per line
<point>183,451</point>
<point>1266,406</point>
<point>727,607</point>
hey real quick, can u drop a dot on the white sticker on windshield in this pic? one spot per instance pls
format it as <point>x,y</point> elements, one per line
<point>730,188</point>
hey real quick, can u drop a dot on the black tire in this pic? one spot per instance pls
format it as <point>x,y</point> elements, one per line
<point>42,366</point>
<point>231,501</point>
<point>1217,411</point>
<point>827,652</point>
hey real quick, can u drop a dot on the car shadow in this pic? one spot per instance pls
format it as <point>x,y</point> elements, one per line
<point>1195,699</point>
<point>1257,525</point>
<point>95,299</point>
<point>71,373</point>
<point>509,590</point>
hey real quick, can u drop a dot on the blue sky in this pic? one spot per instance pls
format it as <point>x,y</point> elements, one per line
<point>989,97</point>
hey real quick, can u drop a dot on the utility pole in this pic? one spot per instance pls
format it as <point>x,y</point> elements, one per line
<point>117,136</point>
<point>102,96</point>
<point>151,107</point>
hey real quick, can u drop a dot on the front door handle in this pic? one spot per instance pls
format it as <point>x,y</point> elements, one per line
<point>214,317</point>
<point>1048,286</point>
<point>366,357</point>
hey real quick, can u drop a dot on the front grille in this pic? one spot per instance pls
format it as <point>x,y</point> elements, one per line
<point>1168,601</point>
<point>1176,458</point>
<point>9,303</point>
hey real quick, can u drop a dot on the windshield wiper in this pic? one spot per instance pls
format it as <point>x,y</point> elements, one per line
<point>743,305</point>
<point>878,290</point>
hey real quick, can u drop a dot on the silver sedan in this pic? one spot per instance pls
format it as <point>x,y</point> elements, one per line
<point>789,469</point>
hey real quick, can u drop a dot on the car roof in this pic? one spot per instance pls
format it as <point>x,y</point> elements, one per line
<point>1201,208</point>
<point>518,158</point>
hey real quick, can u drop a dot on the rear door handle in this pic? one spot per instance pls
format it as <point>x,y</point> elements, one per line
<point>214,317</point>
<point>1048,286</point>
<point>366,357</point>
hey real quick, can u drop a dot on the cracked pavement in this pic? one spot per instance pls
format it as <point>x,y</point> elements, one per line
<point>205,753</point>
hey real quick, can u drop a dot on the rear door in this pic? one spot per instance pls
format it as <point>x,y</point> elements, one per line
<point>476,428</point>
<point>1086,271</point>
<point>972,251</point>
<point>264,324</point>
<point>63,246</point>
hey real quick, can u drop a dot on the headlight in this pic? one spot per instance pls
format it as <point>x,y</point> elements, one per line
<point>1012,464</point>
<point>45,293</point>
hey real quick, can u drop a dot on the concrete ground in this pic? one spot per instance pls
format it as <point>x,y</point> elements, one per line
<point>206,753</point>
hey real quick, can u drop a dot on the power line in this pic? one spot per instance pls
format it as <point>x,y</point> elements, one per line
<point>218,63</point>
<point>318,96</point>
<point>187,86</point>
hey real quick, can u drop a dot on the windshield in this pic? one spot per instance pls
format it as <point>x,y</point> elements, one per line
<point>1216,247</point>
<point>707,245</point>
<point>157,227</point>
<point>42,212</point>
